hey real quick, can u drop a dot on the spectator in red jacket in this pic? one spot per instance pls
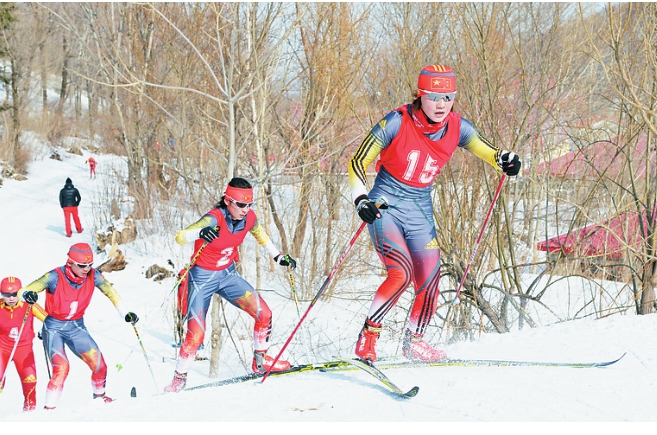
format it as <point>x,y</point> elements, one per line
<point>16,336</point>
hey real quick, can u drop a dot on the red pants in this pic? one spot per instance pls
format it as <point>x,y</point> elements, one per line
<point>26,368</point>
<point>68,212</point>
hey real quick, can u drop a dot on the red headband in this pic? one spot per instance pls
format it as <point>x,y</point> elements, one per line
<point>240,194</point>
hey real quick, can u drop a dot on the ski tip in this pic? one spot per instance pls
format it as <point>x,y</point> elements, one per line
<point>412,392</point>
<point>133,392</point>
<point>619,358</point>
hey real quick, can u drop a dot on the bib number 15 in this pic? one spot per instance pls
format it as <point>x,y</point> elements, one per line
<point>429,170</point>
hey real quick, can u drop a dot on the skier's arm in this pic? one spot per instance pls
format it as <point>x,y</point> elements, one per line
<point>376,140</point>
<point>263,239</point>
<point>42,283</point>
<point>191,233</point>
<point>108,290</point>
<point>478,145</point>
<point>39,312</point>
<point>48,280</point>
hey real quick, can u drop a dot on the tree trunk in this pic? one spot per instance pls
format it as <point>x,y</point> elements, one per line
<point>215,338</point>
<point>15,114</point>
<point>63,92</point>
<point>648,303</point>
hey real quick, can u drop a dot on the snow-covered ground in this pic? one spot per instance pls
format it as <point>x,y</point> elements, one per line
<point>32,241</point>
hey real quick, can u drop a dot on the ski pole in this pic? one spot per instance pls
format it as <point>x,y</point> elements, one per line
<point>45,352</point>
<point>189,266</point>
<point>290,278</point>
<point>146,357</point>
<point>481,233</point>
<point>318,295</point>
<point>296,302</point>
<point>13,350</point>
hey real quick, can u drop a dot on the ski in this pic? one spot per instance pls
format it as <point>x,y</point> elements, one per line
<point>301,368</point>
<point>378,374</point>
<point>346,364</point>
<point>390,364</point>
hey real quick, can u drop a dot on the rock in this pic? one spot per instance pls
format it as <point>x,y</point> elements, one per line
<point>114,261</point>
<point>122,231</point>
<point>75,150</point>
<point>158,273</point>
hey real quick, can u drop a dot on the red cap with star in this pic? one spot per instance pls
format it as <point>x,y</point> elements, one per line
<point>437,79</point>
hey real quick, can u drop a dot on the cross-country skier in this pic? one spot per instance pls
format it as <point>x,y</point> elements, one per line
<point>413,142</point>
<point>92,167</point>
<point>219,233</point>
<point>69,289</point>
<point>14,325</point>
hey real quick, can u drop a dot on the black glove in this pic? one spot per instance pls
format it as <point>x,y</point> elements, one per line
<point>131,318</point>
<point>366,209</point>
<point>286,260</point>
<point>30,297</point>
<point>209,233</point>
<point>510,163</point>
<point>39,336</point>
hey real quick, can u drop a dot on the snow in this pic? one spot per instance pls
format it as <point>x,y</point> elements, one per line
<point>33,242</point>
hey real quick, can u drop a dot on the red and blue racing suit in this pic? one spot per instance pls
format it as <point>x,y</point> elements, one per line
<point>405,236</point>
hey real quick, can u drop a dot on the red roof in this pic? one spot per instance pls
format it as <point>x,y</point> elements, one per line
<point>606,239</point>
<point>597,158</point>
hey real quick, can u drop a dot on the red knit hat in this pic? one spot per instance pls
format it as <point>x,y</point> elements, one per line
<point>11,284</point>
<point>436,79</point>
<point>81,253</point>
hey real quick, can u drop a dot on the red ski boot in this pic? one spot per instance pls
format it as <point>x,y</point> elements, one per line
<point>178,383</point>
<point>414,348</point>
<point>262,363</point>
<point>365,347</point>
<point>105,398</point>
<point>29,405</point>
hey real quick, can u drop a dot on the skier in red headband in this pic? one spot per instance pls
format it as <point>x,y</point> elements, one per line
<point>219,233</point>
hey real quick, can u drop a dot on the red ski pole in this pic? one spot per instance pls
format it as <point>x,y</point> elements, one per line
<point>481,233</point>
<point>318,295</point>
<point>13,350</point>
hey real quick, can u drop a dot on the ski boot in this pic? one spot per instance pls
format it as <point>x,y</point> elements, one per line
<point>416,349</point>
<point>177,384</point>
<point>103,397</point>
<point>29,405</point>
<point>365,347</point>
<point>262,363</point>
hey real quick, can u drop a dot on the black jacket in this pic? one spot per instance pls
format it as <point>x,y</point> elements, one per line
<point>69,195</point>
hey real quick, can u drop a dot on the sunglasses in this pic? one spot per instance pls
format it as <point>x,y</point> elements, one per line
<point>242,204</point>
<point>83,265</point>
<point>9,295</point>
<point>437,97</point>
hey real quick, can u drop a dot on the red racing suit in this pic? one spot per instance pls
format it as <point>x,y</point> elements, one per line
<point>11,321</point>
